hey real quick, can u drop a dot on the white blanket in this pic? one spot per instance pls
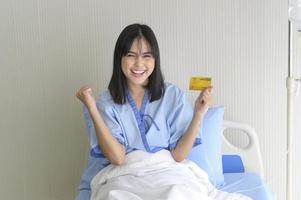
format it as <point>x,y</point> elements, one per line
<point>147,176</point>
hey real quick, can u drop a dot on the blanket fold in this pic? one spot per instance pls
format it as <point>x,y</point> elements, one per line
<point>151,176</point>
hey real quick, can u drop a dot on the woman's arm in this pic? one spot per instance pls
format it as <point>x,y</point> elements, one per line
<point>186,142</point>
<point>109,146</point>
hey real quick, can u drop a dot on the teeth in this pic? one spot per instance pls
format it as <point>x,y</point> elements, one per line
<point>138,71</point>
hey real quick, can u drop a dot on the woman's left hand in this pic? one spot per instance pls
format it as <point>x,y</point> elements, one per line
<point>203,102</point>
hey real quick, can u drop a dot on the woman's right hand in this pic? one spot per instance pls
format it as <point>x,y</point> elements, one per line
<point>85,95</point>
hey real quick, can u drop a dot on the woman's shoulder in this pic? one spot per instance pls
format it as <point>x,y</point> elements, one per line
<point>105,99</point>
<point>172,89</point>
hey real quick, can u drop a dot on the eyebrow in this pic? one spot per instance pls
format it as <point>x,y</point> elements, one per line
<point>144,53</point>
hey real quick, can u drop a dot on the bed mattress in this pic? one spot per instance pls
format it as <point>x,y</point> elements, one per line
<point>249,184</point>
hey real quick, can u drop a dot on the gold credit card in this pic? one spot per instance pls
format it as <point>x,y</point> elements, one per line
<point>199,83</point>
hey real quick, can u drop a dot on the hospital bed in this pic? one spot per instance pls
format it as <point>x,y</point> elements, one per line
<point>243,170</point>
<point>243,167</point>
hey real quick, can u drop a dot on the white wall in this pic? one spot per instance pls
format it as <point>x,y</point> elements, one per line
<point>50,48</point>
<point>296,62</point>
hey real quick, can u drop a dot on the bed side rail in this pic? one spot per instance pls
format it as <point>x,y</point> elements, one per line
<point>250,155</point>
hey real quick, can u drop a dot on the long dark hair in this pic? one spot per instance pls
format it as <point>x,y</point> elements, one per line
<point>118,84</point>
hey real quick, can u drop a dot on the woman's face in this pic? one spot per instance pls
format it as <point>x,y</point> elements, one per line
<point>138,64</point>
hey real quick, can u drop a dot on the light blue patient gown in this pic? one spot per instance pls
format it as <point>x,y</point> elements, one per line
<point>155,126</point>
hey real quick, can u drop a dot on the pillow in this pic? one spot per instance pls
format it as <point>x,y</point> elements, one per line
<point>208,154</point>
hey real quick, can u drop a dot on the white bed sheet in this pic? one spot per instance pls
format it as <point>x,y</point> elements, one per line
<point>156,176</point>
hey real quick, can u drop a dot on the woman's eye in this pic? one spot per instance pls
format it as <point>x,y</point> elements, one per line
<point>147,56</point>
<point>130,55</point>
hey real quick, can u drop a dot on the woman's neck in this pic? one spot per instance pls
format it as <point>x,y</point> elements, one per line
<point>137,93</point>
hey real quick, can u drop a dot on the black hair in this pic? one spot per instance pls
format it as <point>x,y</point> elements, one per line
<point>118,83</point>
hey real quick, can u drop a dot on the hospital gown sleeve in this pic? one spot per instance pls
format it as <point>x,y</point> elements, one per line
<point>109,116</point>
<point>180,119</point>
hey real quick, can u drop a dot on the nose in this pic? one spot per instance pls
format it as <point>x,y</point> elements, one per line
<point>139,61</point>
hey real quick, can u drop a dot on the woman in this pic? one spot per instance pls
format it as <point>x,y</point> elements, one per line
<point>139,111</point>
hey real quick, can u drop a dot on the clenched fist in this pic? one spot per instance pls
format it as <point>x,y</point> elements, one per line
<point>85,95</point>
